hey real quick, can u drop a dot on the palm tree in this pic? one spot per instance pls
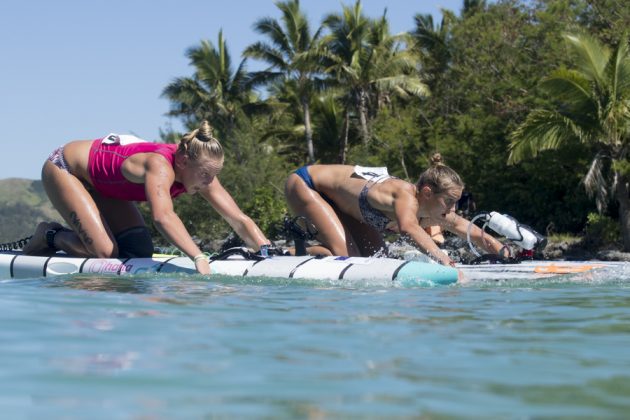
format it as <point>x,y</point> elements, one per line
<point>332,126</point>
<point>367,62</point>
<point>292,57</point>
<point>286,128</point>
<point>592,106</point>
<point>432,41</point>
<point>328,117</point>
<point>215,92</point>
<point>348,44</point>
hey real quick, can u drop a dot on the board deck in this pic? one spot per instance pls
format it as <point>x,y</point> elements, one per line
<point>16,265</point>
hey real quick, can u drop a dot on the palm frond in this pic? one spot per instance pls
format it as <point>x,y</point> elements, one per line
<point>263,107</point>
<point>592,56</point>
<point>542,130</point>
<point>404,85</point>
<point>266,52</point>
<point>214,92</point>
<point>321,84</point>
<point>186,96</point>
<point>272,28</point>
<point>262,78</point>
<point>567,85</point>
<point>317,35</point>
<point>595,182</point>
<point>295,132</point>
<point>297,27</point>
<point>618,73</point>
<point>239,84</point>
<point>574,94</point>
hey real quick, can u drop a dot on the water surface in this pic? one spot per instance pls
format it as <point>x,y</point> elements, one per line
<point>185,347</point>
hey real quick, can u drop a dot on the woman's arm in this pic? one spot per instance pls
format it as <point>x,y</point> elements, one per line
<point>459,226</point>
<point>158,178</point>
<point>243,225</point>
<point>406,209</point>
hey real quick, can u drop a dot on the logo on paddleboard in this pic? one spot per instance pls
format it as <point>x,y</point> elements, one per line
<point>117,267</point>
<point>107,267</point>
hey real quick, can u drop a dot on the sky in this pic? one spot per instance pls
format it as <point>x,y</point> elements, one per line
<point>80,69</point>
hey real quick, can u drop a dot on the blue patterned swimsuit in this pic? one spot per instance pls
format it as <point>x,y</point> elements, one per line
<point>373,217</point>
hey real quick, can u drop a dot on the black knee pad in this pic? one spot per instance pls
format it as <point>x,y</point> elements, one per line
<point>135,242</point>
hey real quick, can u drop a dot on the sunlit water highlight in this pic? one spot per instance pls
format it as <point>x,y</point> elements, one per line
<point>184,347</point>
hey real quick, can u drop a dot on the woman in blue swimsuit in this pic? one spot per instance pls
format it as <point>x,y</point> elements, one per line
<point>351,207</point>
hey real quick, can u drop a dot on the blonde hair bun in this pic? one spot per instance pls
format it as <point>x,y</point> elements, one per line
<point>439,177</point>
<point>436,159</point>
<point>201,141</point>
<point>205,132</point>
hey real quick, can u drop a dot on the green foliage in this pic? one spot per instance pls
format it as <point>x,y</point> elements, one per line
<point>267,208</point>
<point>396,131</point>
<point>496,55</point>
<point>563,237</point>
<point>622,167</point>
<point>605,18</point>
<point>257,185</point>
<point>601,231</point>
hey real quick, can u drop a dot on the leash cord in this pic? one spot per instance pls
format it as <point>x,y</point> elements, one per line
<point>19,244</point>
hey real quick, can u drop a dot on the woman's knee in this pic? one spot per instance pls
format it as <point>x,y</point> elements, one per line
<point>103,249</point>
<point>135,242</point>
<point>336,242</point>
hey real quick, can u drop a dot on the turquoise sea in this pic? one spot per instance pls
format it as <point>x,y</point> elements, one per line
<point>185,347</point>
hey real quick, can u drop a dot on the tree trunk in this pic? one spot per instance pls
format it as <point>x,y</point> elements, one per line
<point>363,117</point>
<point>622,194</point>
<point>343,141</point>
<point>308,130</point>
<point>236,148</point>
<point>401,148</point>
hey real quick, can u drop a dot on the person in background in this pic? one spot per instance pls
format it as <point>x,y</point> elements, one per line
<point>352,206</point>
<point>466,206</point>
<point>93,185</point>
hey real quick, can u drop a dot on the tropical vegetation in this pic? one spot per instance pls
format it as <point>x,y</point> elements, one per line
<point>591,107</point>
<point>528,100</point>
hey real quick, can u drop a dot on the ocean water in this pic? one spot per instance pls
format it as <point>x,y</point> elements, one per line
<point>167,347</point>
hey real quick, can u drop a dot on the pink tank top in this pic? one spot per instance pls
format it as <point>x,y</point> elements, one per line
<point>105,167</point>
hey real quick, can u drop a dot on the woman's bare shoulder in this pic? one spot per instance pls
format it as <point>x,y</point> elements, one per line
<point>400,187</point>
<point>139,166</point>
<point>153,161</point>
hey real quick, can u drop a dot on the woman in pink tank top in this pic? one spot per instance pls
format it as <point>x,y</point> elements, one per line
<point>94,183</point>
